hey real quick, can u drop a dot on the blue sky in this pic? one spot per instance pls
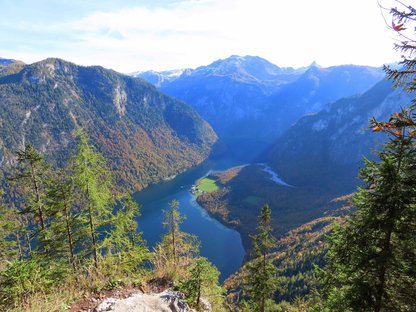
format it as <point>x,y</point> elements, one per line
<point>140,35</point>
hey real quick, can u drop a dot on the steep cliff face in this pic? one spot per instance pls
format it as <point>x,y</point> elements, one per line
<point>327,148</point>
<point>146,135</point>
<point>313,90</point>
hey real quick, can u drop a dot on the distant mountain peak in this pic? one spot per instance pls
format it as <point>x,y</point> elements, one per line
<point>159,78</point>
<point>315,64</point>
<point>246,68</point>
<point>5,61</point>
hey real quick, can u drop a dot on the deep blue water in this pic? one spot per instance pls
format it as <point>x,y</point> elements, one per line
<point>220,244</point>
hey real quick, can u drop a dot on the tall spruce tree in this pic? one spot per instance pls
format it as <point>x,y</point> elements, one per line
<point>260,282</point>
<point>92,179</point>
<point>173,220</point>
<point>371,261</point>
<point>31,174</point>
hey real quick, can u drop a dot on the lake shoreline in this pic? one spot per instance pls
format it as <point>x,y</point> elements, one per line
<point>221,243</point>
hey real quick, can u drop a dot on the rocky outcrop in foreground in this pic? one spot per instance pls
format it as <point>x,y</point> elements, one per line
<point>166,301</point>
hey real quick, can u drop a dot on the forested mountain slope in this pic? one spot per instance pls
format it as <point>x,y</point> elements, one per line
<point>326,149</point>
<point>146,135</point>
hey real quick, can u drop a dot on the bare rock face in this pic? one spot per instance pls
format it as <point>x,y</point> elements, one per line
<point>166,301</point>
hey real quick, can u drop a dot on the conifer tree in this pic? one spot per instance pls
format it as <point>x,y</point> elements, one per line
<point>64,231</point>
<point>202,282</point>
<point>403,23</point>
<point>31,174</point>
<point>124,245</point>
<point>260,282</point>
<point>176,251</point>
<point>93,180</point>
<point>10,245</point>
<point>371,261</point>
<point>173,220</point>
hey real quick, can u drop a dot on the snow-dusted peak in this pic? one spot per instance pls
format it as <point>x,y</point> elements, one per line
<point>158,78</point>
<point>242,67</point>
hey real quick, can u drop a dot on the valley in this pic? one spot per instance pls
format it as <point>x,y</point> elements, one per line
<point>252,104</point>
<point>291,139</point>
<point>244,189</point>
<point>320,132</point>
<point>224,249</point>
<point>208,156</point>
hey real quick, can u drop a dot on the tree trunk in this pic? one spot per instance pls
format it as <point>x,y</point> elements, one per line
<point>68,231</point>
<point>37,194</point>
<point>173,239</point>
<point>382,274</point>
<point>94,244</point>
<point>198,298</point>
<point>92,229</point>
<point>263,300</point>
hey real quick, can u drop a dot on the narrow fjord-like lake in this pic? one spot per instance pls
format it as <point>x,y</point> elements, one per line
<point>220,244</point>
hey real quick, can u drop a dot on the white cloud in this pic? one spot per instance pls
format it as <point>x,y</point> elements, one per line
<point>191,33</point>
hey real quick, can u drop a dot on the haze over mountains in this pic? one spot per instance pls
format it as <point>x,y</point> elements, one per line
<point>245,98</point>
<point>248,97</point>
<point>313,121</point>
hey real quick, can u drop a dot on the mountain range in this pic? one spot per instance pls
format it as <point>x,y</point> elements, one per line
<point>149,136</point>
<point>306,131</point>
<point>251,98</point>
<point>146,135</point>
<point>318,158</point>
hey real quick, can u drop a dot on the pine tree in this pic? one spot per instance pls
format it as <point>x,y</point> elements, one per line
<point>93,181</point>
<point>202,282</point>
<point>31,175</point>
<point>64,230</point>
<point>371,262</point>
<point>10,244</point>
<point>124,245</point>
<point>260,281</point>
<point>176,251</point>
